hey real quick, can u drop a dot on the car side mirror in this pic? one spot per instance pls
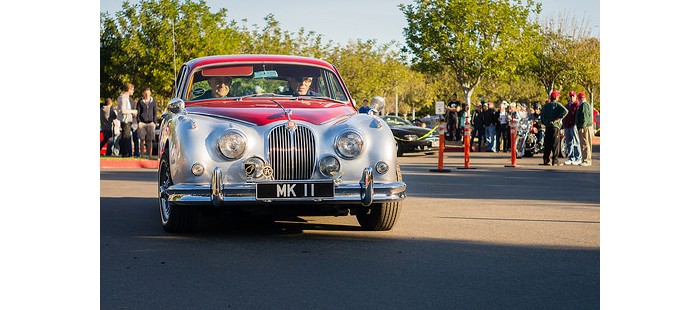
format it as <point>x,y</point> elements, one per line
<point>176,106</point>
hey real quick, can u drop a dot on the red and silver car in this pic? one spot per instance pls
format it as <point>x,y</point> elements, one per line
<point>273,134</point>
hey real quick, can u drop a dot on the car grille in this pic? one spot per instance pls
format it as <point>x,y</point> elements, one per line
<point>292,153</point>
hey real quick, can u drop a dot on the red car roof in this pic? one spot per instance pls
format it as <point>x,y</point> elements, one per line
<point>256,58</point>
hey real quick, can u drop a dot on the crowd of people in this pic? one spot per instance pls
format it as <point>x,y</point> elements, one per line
<point>490,126</point>
<point>129,127</point>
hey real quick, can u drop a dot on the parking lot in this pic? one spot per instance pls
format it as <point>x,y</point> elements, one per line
<point>492,237</point>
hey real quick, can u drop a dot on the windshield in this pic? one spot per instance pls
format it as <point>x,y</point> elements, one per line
<point>264,80</point>
<point>396,121</point>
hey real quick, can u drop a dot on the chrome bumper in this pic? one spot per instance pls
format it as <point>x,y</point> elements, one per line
<point>217,193</point>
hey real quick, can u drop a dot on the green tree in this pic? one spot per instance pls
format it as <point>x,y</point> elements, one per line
<point>471,38</point>
<point>587,67</point>
<point>146,42</point>
<point>556,57</point>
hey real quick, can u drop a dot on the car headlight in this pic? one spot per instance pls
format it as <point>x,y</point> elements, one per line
<point>410,137</point>
<point>329,165</point>
<point>232,144</point>
<point>348,144</point>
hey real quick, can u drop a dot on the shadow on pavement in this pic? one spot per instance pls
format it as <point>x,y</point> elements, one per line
<point>312,265</point>
<point>499,183</point>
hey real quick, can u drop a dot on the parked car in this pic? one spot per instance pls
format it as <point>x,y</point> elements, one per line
<point>264,148</point>
<point>431,121</point>
<point>411,138</point>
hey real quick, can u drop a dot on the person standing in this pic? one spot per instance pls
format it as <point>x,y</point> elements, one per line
<point>503,132</point>
<point>584,123</point>
<point>108,113</point>
<point>477,122</point>
<point>571,139</point>
<point>490,123</point>
<point>552,113</point>
<point>126,116</point>
<point>536,118</point>
<point>452,118</point>
<point>365,108</point>
<point>146,116</point>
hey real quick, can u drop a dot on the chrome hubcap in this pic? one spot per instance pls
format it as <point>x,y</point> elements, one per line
<point>164,183</point>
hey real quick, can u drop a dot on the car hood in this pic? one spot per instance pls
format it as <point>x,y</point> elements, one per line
<point>264,111</point>
<point>414,130</point>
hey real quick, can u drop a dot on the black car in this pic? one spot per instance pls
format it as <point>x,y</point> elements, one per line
<point>411,138</point>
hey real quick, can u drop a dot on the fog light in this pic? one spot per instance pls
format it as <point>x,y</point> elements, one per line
<point>197,169</point>
<point>381,167</point>
<point>329,166</point>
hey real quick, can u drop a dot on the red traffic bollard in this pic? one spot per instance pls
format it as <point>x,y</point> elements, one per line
<point>513,127</point>
<point>441,150</point>
<point>467,147</point>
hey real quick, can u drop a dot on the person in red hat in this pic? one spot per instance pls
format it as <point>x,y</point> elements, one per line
<point>584,123</point>
<point>552,113</point>
<point>572,148</point>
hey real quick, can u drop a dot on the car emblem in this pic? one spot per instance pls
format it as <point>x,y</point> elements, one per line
<point>267,171</point>
<point>249,169</point>
<point>291,125</point>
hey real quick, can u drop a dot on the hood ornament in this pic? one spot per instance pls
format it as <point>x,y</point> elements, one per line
<point>291,125</point>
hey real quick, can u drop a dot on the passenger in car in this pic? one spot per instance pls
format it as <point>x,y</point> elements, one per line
<point>300,87</point>
<point>220,86</point>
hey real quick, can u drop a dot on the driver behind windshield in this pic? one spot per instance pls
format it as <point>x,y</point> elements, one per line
<point>300,87</point>
<point>220,86</point>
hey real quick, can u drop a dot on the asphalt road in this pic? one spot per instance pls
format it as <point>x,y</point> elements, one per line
<point>492,237</point>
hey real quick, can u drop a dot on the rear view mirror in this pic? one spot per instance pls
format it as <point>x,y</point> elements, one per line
<point>265,74</point>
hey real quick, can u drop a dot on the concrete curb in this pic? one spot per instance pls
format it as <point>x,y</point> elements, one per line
<point>116,163</point>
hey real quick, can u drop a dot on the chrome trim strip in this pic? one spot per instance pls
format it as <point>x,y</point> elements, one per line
<point>244,193</point>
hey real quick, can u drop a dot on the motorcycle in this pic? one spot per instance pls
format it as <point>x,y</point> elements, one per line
<point>527,142</point>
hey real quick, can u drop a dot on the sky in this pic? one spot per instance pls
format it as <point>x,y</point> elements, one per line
<point>341,21</point>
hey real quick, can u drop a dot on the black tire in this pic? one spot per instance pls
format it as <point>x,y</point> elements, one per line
<point>173,217</point>
<point>519,147</point>
<point>381,216</point>
<point>563,149</point>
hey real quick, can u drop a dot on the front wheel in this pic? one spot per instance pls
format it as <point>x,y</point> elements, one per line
<point>380,216</point>
<point>519,147</point>
<point>563,147</point>
<point>173,217</point>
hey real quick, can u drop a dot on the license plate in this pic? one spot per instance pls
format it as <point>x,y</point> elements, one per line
<point>294,190</point>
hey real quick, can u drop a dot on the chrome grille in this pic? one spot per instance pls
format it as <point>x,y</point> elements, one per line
<point>291,153</point>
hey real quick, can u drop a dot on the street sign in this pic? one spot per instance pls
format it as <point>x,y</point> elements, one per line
<point>440,107</point>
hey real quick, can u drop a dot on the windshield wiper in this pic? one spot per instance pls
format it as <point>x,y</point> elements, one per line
<point>260,95</point>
